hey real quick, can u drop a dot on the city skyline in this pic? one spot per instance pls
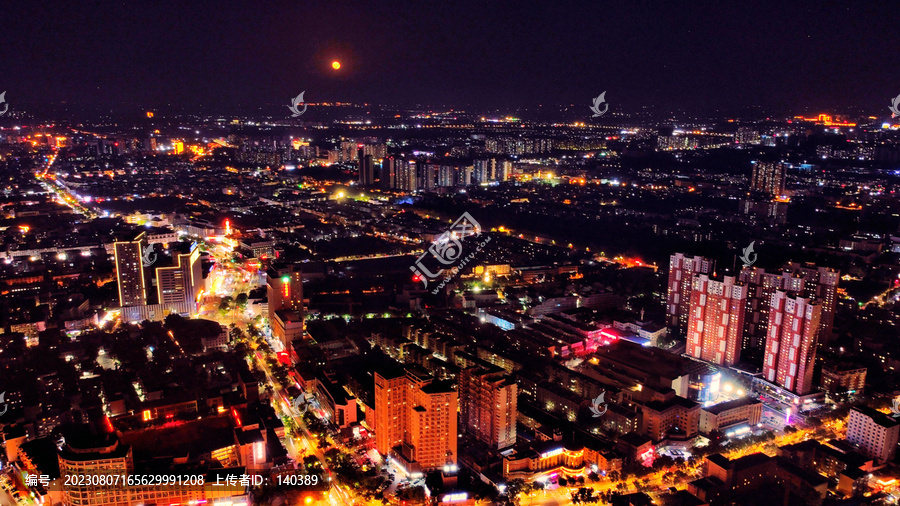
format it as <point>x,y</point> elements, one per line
<point>458,254</point>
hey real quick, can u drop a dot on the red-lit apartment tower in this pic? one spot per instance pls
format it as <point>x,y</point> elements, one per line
<point>716,321</point>
<point>805,280</point>
<point>682,270</point>
<point>822,284</point>
<point>791,342</point>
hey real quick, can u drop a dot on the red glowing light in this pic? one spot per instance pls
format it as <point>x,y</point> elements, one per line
<point>237,419</point>
<point>109,425</point>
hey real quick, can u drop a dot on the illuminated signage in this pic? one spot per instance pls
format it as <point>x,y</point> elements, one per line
<point>551,453</point>
<point>459,496</point>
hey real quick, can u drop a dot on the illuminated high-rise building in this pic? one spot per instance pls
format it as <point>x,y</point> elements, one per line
<point>805,280</point>
<point>716,321</point>
<point>378,151</point>
<point>821,284</point>
<point>348,151</point>
<point>388,175</point>
<point>132,283</point>
<point>761,286</point>
<point>391,392</point>
<point>431,435</point>
<point>415,419</point>
<point>429,175</point>
<point>482,173</point>
<point>284,288</point>
<point>466,175</point>
<point>791,342</point>
<point>366,169</point>
<point>488,405</point>
<point>768,177</point>
<point>447,175</point>
<point>505,170</point>
<point>183,281</point>
<point>407,176</point>
<point>682,270</point>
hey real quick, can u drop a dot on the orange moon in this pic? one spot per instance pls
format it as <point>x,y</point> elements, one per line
<point>335,65</point>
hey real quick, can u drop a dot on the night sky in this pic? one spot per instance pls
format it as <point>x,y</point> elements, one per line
<point>221,56</point>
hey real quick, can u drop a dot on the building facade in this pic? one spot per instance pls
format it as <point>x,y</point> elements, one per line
<point>716,320</point>
<point>416,419</point>
<point>682,270</point>
<point>488,406</point>
<point>791,342</point>
<point>130,271</point>
<point>874,433</point>
<point>768,177</point>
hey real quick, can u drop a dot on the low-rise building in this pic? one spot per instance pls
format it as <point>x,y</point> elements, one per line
<point>843,378</point>
<point>874,433</point>
<point>676,418</point>
<point>744,411</point>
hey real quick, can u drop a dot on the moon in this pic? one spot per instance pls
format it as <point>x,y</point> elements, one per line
<point>336,65</point>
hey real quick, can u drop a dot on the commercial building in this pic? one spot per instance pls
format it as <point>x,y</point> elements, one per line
<point>675,418</point>
<point>791,342</point>
<point>104,454</point>
<point>183,281</point>
<point>255,246</point>
<point>874,433</point>
<point>179,282</point>
<point>488,400</point>
<point>716,320</point>
<point>340,407</point>
<point>391,389</point>
<point>736,414</point>
<point>284,287</point>
<point>650,373</point>
<point>431,437</point>
<point>549,458</point>
<point>682,270</point>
